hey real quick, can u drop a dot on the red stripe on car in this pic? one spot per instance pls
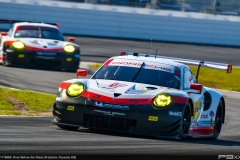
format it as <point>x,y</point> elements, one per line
<point>102,98</point>
<point>64,85</point>
<point>9,42</point>
<point>106,99</point>
<point>179,100</point>
<point>108,62</point>
<point>1,58</point>
<point>201,131</point>
<point>43,49</point>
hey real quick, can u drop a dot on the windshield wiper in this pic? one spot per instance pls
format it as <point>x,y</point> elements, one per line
<point>135,76</point>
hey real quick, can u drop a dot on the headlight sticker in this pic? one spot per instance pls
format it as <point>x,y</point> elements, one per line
<point>75,89</point>
<point>69,48</point>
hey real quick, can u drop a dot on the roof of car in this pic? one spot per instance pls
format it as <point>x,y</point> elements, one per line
<point>35,24</point>
<point>151,59</point>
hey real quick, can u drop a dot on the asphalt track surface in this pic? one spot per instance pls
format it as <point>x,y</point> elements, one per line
<point>98,50</point>
<point>36,135</point>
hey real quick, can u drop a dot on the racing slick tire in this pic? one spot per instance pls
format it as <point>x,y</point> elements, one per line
<point>5,61</point>
<point>218,121</point>
<point>70,128</point>
<point>186,122</point>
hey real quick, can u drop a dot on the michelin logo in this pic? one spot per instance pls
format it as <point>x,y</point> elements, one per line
<point>112,106</point>
<point>171,113</point>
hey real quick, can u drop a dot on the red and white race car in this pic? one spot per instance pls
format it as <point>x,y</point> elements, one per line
<point>33,44</point>
<point>143,94</point>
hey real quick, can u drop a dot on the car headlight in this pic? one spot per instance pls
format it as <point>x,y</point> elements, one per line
<point>18,45</point>
<point>69,48</point>
<point>75,89</point>
<point>162,100</point>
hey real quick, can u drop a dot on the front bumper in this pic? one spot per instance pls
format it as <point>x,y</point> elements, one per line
<point>55,60</point>
<point>138,119</point>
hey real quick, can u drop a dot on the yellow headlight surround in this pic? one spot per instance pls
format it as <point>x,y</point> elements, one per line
<point>69,48</point>
<point>18,45</point>
<point>162,100</point>
<point>75,89</point>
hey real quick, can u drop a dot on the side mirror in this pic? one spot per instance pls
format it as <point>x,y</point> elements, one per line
<point>3,33</point>
<point>197,87</point>
<point>71,39</point>
<point>81,72</point>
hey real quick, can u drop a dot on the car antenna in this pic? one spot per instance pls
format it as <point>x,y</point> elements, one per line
<point>156,53</point>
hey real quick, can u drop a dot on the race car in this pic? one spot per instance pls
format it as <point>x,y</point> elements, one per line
<point>34,44</point>
<point>143,94</point>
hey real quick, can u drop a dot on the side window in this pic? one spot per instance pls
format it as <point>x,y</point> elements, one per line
<point>10,32</point>
<point>187,78</point>
<point>193,78</point>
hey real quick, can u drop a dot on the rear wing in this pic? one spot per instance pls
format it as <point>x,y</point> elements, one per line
<point>17,21</point>
<point>214,65</point>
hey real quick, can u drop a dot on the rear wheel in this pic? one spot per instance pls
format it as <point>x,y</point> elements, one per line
<point>218,121</point>
<point>186,122</point>
<point>71,128</point>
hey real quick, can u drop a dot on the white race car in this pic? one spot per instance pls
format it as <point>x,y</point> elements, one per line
<point>34,44</point>
<point>143,94</point>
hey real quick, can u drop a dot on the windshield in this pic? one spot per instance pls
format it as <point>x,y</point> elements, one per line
<point>38,32</point>
<point>146,76</point>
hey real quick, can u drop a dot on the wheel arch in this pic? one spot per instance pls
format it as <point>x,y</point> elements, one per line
<point>223,102</point>
<point>191,106</point>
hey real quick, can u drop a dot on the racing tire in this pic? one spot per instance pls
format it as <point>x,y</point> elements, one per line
<point>5,62</point>
<point>70,128</point>
<point>218,121</point>
<point>186,122</point>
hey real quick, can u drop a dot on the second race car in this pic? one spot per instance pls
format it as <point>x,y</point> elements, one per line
<point>34,44</point>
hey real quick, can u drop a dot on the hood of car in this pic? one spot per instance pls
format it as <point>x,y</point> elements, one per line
<point>44,43</point>
<point>122,89</point>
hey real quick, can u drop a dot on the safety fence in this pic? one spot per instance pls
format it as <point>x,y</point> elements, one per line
<point>125,22</point>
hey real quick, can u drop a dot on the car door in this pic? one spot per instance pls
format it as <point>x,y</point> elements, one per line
<point>189,78</point>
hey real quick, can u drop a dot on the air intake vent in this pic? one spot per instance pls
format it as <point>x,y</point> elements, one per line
<point>116,94</point>
<point>207,101</point>
<point>151,88</point>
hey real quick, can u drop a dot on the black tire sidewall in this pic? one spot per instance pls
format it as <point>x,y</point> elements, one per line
<point>183,135</point>
<point>215,134</point>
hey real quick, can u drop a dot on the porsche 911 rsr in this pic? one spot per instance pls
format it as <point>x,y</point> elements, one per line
<point>142,94</point>
<point>38,45</point>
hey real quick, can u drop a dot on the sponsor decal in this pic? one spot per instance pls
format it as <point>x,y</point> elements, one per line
<point>70,108</point>
<point>116,85</point>
<point>190,78</point>
<point>204,116</point>
<point>46,53</point>
<point>112,106</point>
<point>109,112</point>
<point>37,41</point>
<point>59,99</point>
<point>153,118</point>
<point>211,113</point>
<point>171,113</point>
<point>45,57</point>
<point>139,64</point>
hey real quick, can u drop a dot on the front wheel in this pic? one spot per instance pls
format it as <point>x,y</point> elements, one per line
<point>218,121</point>
<point>5,60</point>
<point>71,128</point>
<point>186,122</point>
